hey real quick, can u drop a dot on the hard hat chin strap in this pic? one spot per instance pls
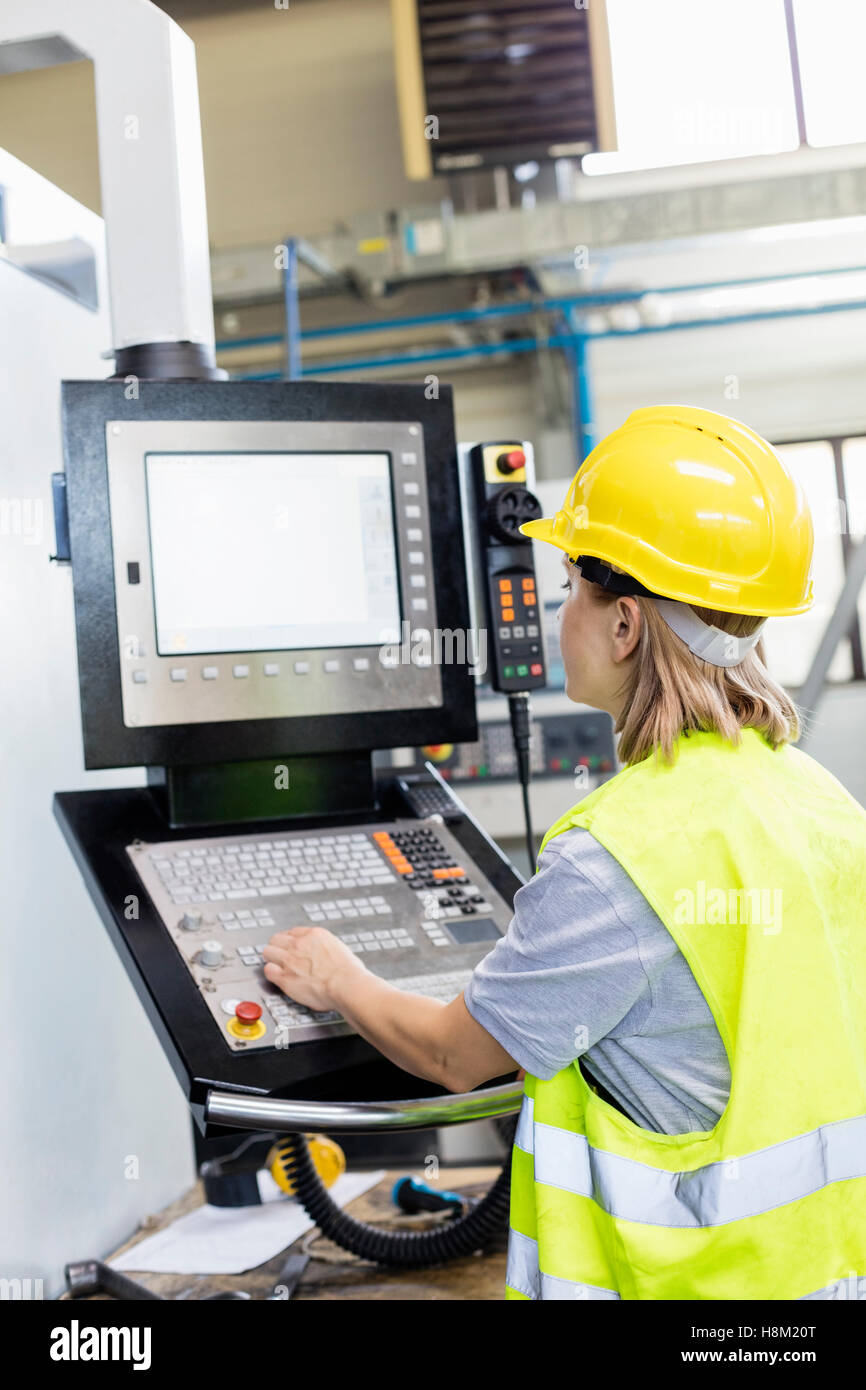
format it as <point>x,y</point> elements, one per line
<point>710,643</point>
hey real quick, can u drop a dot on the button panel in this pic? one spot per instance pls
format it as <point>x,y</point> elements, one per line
<point>514,603</point>
<point>393,893</point>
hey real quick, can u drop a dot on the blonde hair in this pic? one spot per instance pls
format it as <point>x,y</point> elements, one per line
<point>670,691</point>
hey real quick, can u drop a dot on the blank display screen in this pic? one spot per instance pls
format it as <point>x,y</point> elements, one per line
<point>474,929</point>
<point>272,552</point>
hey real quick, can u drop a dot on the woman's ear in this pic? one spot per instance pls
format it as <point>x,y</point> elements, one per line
<point>627,627</point>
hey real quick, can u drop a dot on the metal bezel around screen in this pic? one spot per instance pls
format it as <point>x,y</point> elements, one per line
<point>150,697</point>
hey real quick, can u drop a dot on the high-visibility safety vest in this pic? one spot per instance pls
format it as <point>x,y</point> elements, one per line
<point>755,861</point>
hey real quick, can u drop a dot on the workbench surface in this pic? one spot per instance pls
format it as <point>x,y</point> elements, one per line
<point>340,1275</point>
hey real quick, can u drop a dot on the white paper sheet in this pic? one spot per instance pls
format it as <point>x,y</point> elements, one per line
<point>231,1240</point>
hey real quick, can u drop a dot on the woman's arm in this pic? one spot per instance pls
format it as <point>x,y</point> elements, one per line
<point>440,1042</point>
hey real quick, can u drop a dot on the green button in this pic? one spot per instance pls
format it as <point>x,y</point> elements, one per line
<point>482,770</point>
<point>523,670</point>
<point>508,672</point>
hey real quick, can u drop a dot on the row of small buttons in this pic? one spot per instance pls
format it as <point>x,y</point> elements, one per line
<point>243,920</point>
<point>435,933</point>
<point>251,955</point>
<point>534,669</point>
<point>332,910</point>
<point>270,868</point>
<point>286,1012</point>
<point>518,631</point>
<point>270,668</point>
<point>377,941</point>
<point>445,987</point>
<point>414,533</point>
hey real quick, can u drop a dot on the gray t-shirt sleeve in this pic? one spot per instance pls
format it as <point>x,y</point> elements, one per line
<point>568,970</point>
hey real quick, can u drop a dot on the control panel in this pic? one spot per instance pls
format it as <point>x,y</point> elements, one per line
<point>560,746</point>
<point>401,895</point>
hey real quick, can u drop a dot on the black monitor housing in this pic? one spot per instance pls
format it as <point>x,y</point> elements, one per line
<point>263,576</point>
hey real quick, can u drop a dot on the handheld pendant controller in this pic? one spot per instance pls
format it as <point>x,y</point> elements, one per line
<point>507,582</point>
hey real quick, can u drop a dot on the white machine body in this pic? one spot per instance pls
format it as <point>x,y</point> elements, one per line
<point>150,155</point>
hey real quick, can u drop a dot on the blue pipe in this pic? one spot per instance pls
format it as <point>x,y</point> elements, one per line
<point>556,340</point>
<point>294,369</point>
<point>584,405</point>
<point>756,316</point>
<point>561,303</point>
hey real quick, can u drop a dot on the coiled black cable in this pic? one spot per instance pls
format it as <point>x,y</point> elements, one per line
<point>407,1249</point>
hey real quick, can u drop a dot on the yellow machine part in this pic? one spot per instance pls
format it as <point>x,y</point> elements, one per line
<point>328,1160</point>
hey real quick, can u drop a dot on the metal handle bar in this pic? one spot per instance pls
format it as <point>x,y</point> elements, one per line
<point>360,1117</point>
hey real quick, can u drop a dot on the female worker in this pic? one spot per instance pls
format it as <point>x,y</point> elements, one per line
<point>684,978</point>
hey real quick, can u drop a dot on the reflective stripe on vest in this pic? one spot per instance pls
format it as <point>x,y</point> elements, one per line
<point>771,1203</point>
<point>524,1278</point>
<point>708,1196</point>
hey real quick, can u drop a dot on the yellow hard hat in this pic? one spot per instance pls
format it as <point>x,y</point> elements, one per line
<point>694,506</point>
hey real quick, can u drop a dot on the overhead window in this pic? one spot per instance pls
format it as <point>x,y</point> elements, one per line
<point>695,82</point>
<point>831,42</point>
<point>792,642</point>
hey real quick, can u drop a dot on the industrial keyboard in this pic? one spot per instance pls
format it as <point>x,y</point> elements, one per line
<point>401,895</point>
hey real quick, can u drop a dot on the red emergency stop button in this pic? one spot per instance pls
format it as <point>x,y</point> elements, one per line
<point>247,1025</point>
<point>248,1012</point>
<point>511,461</point>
